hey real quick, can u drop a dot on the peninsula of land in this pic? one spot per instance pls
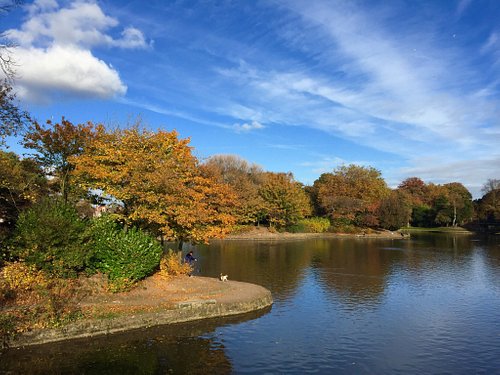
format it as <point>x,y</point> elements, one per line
<point>155,301</point>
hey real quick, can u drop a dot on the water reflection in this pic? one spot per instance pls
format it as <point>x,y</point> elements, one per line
<point>279,266</point>
<point>186,348</point>
<point>365,306</point>
<point>356,271</point>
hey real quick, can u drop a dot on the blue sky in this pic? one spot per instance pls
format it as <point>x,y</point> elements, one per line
<point>411,88</point>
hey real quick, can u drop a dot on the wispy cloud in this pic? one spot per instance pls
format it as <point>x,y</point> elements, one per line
<point>412,93</point>
<point>172,112</point>
<point>247,127</point>
<point>462,7</point>
<point>325,164</point>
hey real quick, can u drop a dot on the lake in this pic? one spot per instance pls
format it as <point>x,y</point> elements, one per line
<point>429,304</point>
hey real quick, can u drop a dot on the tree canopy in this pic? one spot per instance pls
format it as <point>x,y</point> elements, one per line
<point>244,179</point>
<point>350,191</point>
<point>285,199</point>
<point>21,183</point>
<point>54,144</point>
<point>157,180</point>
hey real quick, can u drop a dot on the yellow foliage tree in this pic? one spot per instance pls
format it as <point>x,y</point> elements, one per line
<point>158,181</point>
<point>285,199</point>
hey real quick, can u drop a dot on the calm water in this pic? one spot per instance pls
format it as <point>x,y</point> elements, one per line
<point>430,305</point>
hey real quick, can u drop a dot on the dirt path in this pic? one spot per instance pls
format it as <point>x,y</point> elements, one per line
<point>156,291</point>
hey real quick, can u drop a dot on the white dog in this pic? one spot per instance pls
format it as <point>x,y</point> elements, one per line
<point>223,277</point>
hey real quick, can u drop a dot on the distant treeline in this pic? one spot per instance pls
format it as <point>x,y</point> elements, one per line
<point>152,181</point>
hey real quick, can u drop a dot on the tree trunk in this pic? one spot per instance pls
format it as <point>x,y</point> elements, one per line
<point>454,215</point>
<point>179,250</point>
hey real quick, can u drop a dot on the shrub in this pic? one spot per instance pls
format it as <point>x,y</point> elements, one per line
<point>50,236</point>
<point>35,300</point>
<point>171,265</point>
<point>311,225</point>
<point>7,329</point>
<point>22,277</point>
<point>344,225</point>
<point>125,256</point>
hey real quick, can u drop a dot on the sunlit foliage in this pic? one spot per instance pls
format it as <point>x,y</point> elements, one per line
<point>157,180</point>
<point>351,192</point>
<point>285,199</point>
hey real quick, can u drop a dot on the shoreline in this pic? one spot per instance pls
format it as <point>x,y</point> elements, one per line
<point>155,302</point>
<point>263,234</point>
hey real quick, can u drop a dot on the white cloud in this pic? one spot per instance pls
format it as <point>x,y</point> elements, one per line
<point>59,71</point>
<point>41,5</point>
<point>54,56</point>
<point>131,38</point>
<point>325,164</point>
<point>247,127</point>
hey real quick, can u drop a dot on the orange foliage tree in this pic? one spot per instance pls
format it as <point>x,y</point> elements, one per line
<point>157,180</point>
<point>244,179</point>
<point>351,192</point>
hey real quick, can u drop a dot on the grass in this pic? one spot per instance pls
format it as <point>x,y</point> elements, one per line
<point>437,229</point>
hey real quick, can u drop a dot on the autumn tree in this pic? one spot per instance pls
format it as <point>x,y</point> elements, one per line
<point>55,144</point>
<point>244,179</point>
<point>488,206</point>
<point>158,181</point>
<point>395,210</point>
<point>453,206</point>
<point>416,190</point>
<point>351,192</point>
<point>21,183</point>
<point>286,202</point>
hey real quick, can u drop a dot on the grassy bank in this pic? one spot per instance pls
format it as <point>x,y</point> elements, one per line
<point>436,230</point>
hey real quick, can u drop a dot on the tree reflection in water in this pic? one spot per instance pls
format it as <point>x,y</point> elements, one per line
<point>185,348</point>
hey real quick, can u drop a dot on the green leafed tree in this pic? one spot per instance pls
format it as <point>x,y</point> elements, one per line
<point>22,183</point>
<point>51,236</point>
<point>54,144</point>
<point>286,201</point>
<point>395,210</point>
<point>453,205</point>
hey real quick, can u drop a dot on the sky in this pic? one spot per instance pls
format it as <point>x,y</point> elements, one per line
<point>410,88</point>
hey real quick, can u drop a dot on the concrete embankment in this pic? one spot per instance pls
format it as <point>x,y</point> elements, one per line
<point>156,302</point>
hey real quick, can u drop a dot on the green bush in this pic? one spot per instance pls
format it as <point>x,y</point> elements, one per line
<point>344,225</point>
<point>125,256</point>
<point>311,225</point>
<point>51,236</point>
